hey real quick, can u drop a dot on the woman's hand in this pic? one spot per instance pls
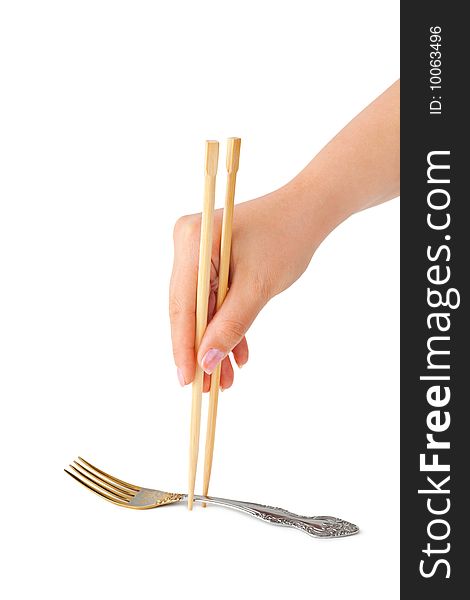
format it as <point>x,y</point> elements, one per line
<point>270,250</point>
<point>274,237</point>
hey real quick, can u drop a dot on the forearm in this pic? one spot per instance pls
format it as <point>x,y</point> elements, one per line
<point>359,168</point>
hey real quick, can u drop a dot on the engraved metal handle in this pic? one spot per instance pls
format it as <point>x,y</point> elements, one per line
<point>321,527</point>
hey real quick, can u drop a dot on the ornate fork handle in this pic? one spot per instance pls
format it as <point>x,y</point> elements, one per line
<point>322,527</point>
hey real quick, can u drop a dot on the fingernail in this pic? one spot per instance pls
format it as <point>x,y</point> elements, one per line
<point>211,359</point>
<point>179,372</point>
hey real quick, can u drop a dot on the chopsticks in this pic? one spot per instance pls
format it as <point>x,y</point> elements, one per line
<point>232,160</point>
<point>202,298</point>
<point>202,302</point>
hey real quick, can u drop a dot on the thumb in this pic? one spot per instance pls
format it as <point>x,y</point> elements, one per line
<point>229,325</point>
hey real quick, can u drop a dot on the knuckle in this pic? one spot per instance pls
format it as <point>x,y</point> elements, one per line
<point>186,227</point>
<point>182,354</point>
<point>232,331</point>
<point>177,308</point>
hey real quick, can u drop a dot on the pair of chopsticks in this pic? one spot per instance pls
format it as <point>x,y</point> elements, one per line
<point>202,301</point>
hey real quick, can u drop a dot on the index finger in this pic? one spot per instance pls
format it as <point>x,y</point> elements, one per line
<point>182,306</point>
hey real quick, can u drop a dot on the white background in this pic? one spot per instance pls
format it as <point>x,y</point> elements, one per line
<point>105,107</point>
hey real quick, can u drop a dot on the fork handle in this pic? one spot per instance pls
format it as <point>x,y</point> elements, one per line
<point>322,527</point>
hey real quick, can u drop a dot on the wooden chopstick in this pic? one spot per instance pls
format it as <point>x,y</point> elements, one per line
<point>202,300</point>
<point>233,156</point>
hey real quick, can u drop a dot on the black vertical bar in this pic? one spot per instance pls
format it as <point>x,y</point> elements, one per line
<point>423,131</point>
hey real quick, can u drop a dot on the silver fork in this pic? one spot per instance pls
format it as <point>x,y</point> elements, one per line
<point>132,496</point>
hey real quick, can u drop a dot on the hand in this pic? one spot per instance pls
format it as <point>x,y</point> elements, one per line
<point>270,250</point>
<point>274,237</point>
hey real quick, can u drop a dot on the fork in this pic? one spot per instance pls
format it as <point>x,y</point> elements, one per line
<point>128,495</point>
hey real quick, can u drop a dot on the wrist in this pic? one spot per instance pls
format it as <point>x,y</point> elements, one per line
<point>312,208</point>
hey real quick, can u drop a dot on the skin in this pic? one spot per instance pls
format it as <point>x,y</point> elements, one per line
<point>275,236</point>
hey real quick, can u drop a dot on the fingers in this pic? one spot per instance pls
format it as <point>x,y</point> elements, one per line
<point>228,327</point>
<point>206,386</point>
<point>226,374</point>
<point>241,353</point>
<point>183,297</point>
<point>211,305</point>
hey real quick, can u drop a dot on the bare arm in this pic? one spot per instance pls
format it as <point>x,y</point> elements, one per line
<point>275,236</point>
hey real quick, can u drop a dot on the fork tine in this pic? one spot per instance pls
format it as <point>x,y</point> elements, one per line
<point>102,483</point>
<point>99,492</point>
<point>129,486</point>
<point>98,486</point>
